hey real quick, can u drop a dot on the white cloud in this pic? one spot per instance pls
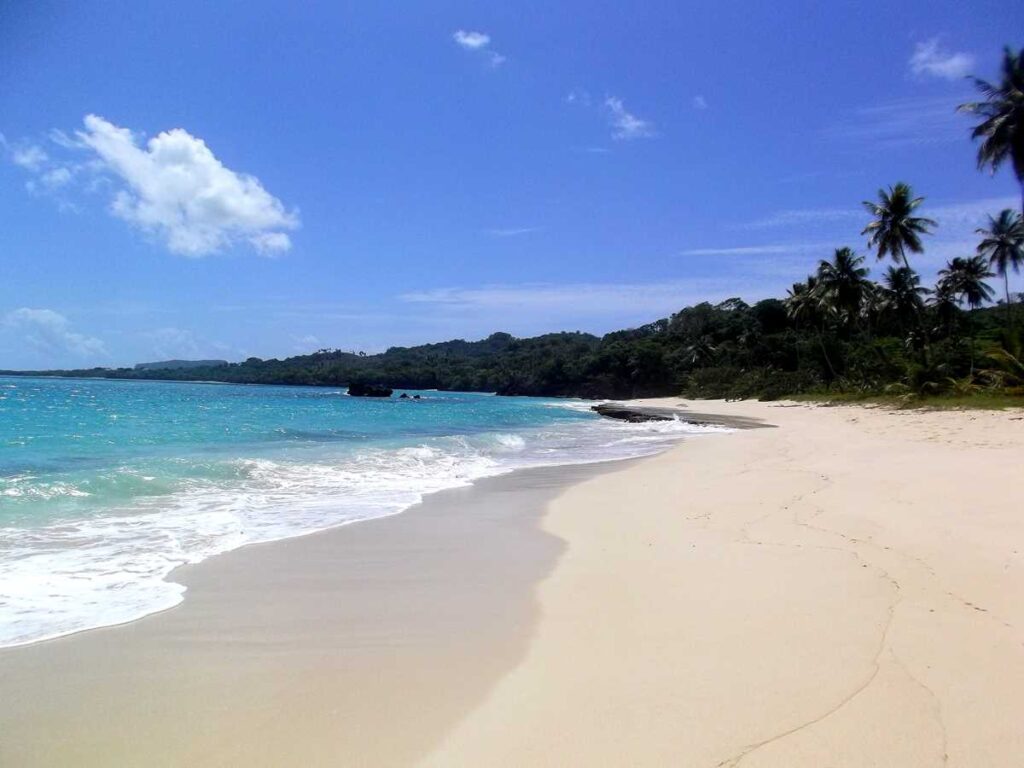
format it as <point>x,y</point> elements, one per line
<point>471,40</point>
<point>540,307</point>
<point>172,187</point>
<point>896,124</point>
<point>931,60</point>
<point>968,214</point>
<point>771,249</point>
<point>955,215</point>
<point>271,242</point>
<point>834,227</point>
<point>510,231</point>
<point>699,102</point>
<point>51,333</point>
<point>30,157</point>
<point>176,188</point>
<point>626,125</point>
<point>805,217</point>
<point>479,41</point>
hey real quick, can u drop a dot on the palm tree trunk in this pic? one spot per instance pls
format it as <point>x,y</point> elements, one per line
<point>824,352</point>
<point>1006,283</point>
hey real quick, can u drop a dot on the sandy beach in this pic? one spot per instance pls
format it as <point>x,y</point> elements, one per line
<point>845,588</point>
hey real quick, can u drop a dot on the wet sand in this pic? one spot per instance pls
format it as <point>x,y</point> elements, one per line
<point>356,646</point>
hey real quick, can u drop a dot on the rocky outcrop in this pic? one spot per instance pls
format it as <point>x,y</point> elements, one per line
<point>631,414</point>
<point>640,413</point>
<point>362,389</point>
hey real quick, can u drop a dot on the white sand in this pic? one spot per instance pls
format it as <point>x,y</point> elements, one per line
<point>844,590</point>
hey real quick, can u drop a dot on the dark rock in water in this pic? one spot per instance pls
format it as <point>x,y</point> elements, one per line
<point>415,397</point>
<point>404,396</point>
<point>632,415</point>
<point>362,389</point>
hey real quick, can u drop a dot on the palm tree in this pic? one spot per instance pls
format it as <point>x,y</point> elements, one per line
<point>895,230</point>
<point>701,351</point>
<point>843,283</point>
<point>963,280</point>
<point>902,294</point>
<point>801,302</point>
<point>1002,126</point>
<point>944,301</point>
<point>1003,246</point>
<point>805,308</point>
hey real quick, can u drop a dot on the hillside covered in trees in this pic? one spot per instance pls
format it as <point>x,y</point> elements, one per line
<point>732,349</point>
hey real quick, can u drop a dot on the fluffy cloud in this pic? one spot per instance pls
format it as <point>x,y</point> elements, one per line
<point>175,187</point>
<point>471,40</point>
<point>929,59</point>
<point>51,333</point>
<point>172,187</point>
<point>478,41</point>
<point>626,125</point>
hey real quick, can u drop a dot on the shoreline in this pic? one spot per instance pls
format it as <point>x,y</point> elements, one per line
<point>161,591</point>
<point>842,590</point>
<point>388,609</point>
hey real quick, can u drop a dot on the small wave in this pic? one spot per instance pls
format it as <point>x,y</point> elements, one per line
<point>113,567</point>
<point>25,488</point>
<point>510,442</point>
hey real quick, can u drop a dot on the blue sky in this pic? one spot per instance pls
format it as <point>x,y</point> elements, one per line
<point>231,179</point>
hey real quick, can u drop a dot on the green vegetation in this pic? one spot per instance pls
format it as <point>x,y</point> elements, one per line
<point>823,340</point>
<point>1001,129</point>
<point>837,334</point>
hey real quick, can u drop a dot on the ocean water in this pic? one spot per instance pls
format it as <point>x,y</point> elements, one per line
<point>107,486</point>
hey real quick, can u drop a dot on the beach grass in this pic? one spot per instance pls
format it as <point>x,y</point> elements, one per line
<point>978,400</point>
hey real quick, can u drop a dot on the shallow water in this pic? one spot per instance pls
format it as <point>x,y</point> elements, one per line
<point>107,486</point>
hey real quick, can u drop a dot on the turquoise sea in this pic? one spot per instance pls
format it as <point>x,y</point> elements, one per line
<point>107,486</point>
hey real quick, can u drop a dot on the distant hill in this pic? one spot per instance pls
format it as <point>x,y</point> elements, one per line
<point>730,349</point>
<point>178,365</point>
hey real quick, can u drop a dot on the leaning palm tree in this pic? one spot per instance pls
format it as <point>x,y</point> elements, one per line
<point>1003,246</point>
<point>1002,118</point>
<point>895,230</point>
<point>843,283</point>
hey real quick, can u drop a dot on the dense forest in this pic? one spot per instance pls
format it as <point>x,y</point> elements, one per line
<point>732,349</point>
<point>836,332</point>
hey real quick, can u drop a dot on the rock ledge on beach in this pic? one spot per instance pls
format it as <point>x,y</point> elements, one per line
<point>631,414</point>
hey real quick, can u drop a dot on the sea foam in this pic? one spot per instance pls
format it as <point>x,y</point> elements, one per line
<point>115,563</point>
